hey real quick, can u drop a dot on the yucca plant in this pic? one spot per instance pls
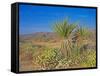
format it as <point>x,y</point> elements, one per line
<point>64,30</point>
<point>81,36</point>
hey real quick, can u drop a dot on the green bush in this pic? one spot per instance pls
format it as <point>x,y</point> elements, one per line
<point>78,59</point>
<point>89,59</point>
<point>49,58</point>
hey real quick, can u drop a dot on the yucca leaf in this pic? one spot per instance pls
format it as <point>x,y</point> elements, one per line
<point>64,29</point>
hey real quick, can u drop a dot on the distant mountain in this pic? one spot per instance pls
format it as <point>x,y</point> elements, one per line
<point>38,36</point>
<point>47,36</point>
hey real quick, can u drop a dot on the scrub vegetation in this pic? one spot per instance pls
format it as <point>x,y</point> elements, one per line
<point>67,46</point>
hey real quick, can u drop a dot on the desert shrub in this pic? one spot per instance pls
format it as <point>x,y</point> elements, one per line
<point>63,63</point>
<point>27,47</point>
<point>27,50</point>
<point>49,58</point>
<point>78,59</point>
<point>72,61</point>
<point>82,58</point>
<point>88,59</point>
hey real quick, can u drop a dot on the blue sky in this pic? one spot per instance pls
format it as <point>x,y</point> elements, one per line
<point>41,18</point>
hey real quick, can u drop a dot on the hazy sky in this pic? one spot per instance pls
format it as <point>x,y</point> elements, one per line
<point>41,18</point>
